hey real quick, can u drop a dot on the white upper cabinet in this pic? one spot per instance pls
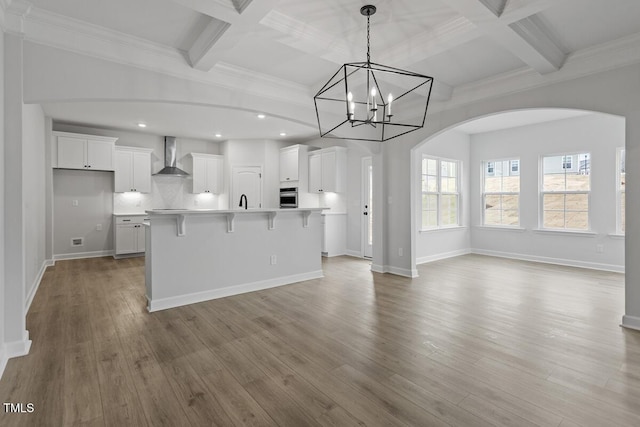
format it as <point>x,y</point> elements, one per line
<point>133,169</point>
<point>86,152</point>
<point>207,173</point>
<point>289,161</point>
<point>328,170</point>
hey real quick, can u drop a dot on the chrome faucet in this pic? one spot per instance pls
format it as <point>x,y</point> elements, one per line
<point>245,201</point>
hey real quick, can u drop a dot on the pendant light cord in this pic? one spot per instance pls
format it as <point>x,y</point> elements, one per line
<point>368,41</point>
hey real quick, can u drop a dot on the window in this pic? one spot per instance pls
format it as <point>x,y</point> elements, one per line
<point>621,190</point>
<point>440,193</point>
<point>501,194</point>
<point>515,165</point>
<point>565,193</point>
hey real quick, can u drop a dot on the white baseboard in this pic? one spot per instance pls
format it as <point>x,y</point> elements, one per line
<point>444,255</point>
<point>3,360</point>
<point>631,322</point>
<point>405,272</point>
<point>14,349</point>
<point>355,254</point>
<point>171,302</point>
<point>547,260</point>
<point>36,283</point>
<point>80,255</point>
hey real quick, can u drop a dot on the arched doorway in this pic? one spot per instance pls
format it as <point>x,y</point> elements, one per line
<point>489,185</point>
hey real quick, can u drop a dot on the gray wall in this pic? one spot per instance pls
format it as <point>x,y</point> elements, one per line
<point>2,239</point>
<point>438,243</point>
<point>598,134</point>
<point>94,192</point>
<point>33,194</point>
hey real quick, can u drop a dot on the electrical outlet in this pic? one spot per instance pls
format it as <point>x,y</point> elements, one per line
<point>195,202</point>
<point>274,260</point>
<point>400,252</point>
<point>600,249</point>
<point>99,227</point>
<point>74,203</point>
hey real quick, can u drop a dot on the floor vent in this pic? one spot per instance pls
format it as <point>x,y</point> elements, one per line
<point>77,241</point>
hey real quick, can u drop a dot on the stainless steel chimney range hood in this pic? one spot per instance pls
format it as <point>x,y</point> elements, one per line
<point>170,159</point>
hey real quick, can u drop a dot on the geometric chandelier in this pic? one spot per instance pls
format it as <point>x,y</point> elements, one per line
<point>356,102</point>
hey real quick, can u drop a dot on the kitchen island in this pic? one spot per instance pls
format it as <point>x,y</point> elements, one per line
<point>198,255</point>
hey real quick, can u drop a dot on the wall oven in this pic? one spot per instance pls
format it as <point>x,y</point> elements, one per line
<point>289,197</point>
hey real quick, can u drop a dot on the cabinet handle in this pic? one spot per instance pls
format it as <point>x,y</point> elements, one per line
<point>126,220</point>
<point>287,179</point>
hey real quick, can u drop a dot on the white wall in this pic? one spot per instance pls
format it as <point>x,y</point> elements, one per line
<point>33,195</point>
<point>441,243</point>
<point>259,152</point>
<point>598,134</point>
<point>16,336</point>
<point>2,239</point>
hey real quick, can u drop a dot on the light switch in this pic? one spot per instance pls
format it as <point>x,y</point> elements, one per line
<point>74,203</point>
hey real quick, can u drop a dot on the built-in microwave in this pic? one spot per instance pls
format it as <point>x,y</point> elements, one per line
<point>289,197</point>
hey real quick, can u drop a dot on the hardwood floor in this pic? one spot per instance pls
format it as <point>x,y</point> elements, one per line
<point>475,341</point>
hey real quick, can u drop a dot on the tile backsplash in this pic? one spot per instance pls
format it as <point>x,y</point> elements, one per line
<point>166,193</point>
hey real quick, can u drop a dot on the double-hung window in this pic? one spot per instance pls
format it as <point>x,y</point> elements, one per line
<point>501,193</point>
<point>566,189</point>
<point>621,190</point>
<point>440,193</point>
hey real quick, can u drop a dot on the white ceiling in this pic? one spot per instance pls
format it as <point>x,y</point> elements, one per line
<point>296,45</point>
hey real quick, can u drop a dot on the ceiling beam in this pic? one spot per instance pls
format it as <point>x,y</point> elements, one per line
<point>223,10</point>
<point>221,36</point>
<point>522,35</point>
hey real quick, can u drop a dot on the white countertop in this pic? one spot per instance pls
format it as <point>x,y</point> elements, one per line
<point>131,214</point>
<point>232,211</point>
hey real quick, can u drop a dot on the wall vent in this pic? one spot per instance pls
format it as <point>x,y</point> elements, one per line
<point>77,241</point>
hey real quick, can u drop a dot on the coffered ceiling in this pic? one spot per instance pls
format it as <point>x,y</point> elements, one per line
<point>291,47</point>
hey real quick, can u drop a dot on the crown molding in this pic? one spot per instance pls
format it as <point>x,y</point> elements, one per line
<point>593,60</point>
<point>14,14</point>
<point>57,31</point>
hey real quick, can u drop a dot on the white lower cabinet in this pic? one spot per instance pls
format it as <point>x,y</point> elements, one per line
<point>334,239</point>
<point>129,235</point>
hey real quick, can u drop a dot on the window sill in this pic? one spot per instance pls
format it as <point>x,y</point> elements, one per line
<point>616,235</point>
<point>565,232</point>
<point>500,228</point>
<point>430,230</point>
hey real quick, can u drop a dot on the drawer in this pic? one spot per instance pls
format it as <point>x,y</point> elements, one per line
<point>131,219</point>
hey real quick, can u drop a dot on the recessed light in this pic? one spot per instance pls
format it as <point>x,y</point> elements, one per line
<point>283,134</point>
<point>261,116</point>
<point>142,125</point>
<point>218,135</point>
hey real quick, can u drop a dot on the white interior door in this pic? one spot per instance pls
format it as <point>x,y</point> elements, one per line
<point>367,200</point>
<point>246,180</point>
